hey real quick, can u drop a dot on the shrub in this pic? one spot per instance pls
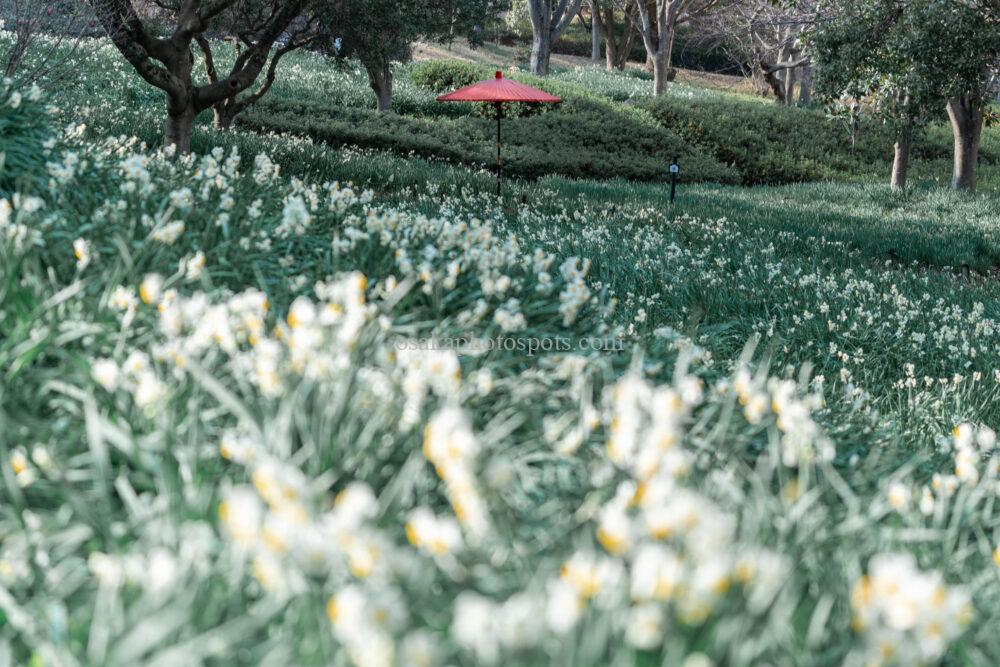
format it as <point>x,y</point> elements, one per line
<point>687,52</point>
<point>440,76</point>
<point>774,145</point>
<point>580,139</point>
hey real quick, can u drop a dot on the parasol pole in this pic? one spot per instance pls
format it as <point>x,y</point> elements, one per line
<point>497,91</point>
<point>499,107</point>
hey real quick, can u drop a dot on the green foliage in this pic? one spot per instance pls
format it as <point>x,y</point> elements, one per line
<point>719,137</point>
<point>904,59</point>
<point>383,30</point>
<point>585,136</point>
<point>442,76</point>
<point>575,140</point>
<point>689,51</point>
<point>24,131</point>
<point>771,145</point>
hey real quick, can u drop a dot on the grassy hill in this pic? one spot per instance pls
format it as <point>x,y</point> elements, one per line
<point>609,126</point>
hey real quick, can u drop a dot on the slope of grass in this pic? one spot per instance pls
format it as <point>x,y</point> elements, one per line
<point>610,126</point>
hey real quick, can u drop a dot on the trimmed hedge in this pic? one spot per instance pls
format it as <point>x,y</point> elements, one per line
<point>442,76</point>
<point>585,136</point>
<point>718,138</point>
<point>578,139</point>
<point>772,145</point>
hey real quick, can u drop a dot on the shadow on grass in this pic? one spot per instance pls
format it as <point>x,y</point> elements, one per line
<point>930,225</point>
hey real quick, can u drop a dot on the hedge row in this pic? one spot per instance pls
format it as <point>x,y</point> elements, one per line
<point>577,140</point>
<point>775,145</point>
<point>585,136</point>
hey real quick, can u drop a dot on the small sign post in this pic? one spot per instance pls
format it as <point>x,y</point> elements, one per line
<point>674,170</point>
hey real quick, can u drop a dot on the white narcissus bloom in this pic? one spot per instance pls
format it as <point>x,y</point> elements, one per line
<point>81,250</point>
<point>898,496</point>
<point>614,529</point>
<point>151,288</point>
<point>149,390</point>
<point>19,462</point>
<point>420,649</point>
<point>168,233</point>
<point>908,613</point>
<point>644,626</point>
<point>106,373</point>
<point>657,573</point>
<point>194,266</point>
<point>161,570</point>
<point>519,626</point>
<point>123,299</point>
<point>136,363</point>
<point>356,503</point>
<point>564,607</point>
<point>241,513</point>
<point>107,569</point>
<point>452,447</point>
<point>434,535</point>
<point>475,627</point>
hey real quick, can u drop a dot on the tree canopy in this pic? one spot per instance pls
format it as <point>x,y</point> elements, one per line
<point>380,32</point>
<point>909,60</point>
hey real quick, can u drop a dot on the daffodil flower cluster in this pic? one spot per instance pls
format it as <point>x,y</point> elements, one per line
<point>906,616</point>
<point>802,442</point>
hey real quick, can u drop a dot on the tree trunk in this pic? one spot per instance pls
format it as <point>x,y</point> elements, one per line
<point>774,82</point>
<point>144,49</point>
<point>610,53</point>
<point>901,159</point>
<point>178,130</point>
<point>654,33</point>
<point>541,52</point>
<point>661,73</point>
<point>805,86</point>
<point>855,128</point>
<point>222,117</point>
<point>966,117</point>
<point>670,50</point>
<point>380,80</point>
<point>616,52</point>
<point>595,36</point>
<point>790,78</point>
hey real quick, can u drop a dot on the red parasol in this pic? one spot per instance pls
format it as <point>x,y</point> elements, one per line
<point>497,91</point>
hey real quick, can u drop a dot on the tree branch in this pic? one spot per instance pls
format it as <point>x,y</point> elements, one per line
<point>123,26</point>
<point>251,62</point>
<point>206,50</point>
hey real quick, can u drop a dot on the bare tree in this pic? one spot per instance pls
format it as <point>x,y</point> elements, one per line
<point>616,47</point>
<point>167,62</point>
<point>236,26</point>
<point>594,28</point>
<point>44,38</point>
<point>765,37</point>
<point>659,27</point>
<point>549,20</point>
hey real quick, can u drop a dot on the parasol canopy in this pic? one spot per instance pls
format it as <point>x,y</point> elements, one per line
<point>497,91</point>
